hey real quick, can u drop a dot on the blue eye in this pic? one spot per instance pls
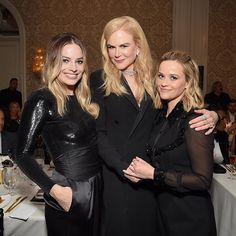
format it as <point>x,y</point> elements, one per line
<point>173,77</point>
<point>109,47</point>
<point>160,76</point>
<point>80,61</point>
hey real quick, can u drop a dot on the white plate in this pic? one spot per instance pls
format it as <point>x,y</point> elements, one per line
<point>7,199</point>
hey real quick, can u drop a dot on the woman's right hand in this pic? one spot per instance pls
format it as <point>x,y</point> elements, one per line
<point>63,195</point>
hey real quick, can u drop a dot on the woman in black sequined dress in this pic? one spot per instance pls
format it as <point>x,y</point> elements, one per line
<point>62,113</point>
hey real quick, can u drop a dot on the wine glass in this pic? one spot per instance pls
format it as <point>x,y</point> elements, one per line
<point>9,179</point>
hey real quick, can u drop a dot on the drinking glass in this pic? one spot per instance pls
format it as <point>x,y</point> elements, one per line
<point>9,179</point>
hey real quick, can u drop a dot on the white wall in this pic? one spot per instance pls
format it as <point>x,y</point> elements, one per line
<point>190,29</point>
<point>9,61</point>
<point>21,72</point>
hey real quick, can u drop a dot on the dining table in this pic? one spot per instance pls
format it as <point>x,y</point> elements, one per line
<point>15,222</point>
<point>223,194</point>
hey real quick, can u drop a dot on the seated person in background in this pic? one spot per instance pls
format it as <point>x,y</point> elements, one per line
<point>231,127</point>
<point>217,97</point>
<point>10,94</point>
<point>221,135</point>
<point>231,112</point>
<point>13,121</point>
<point>7,139</point>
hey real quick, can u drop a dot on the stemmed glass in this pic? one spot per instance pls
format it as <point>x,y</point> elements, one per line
<point>9,179</point>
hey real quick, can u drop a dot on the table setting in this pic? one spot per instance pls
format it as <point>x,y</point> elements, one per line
<point>22,201</point>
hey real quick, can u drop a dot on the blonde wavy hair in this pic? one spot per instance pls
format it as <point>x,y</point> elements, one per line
<point>192,97</point>
<point>143,64</point>
<point>52,69</point>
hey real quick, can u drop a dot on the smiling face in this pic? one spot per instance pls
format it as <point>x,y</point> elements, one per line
<point>72,66</point>
<point>122,50</point>
<point>171,82</point>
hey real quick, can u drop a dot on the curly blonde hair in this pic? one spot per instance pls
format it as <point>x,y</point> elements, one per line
<point>143,64</point>
<point>52,69</point>
<point>192,97</point>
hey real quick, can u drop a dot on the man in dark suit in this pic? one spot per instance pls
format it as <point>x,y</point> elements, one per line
<point>7,139</point>
<point>10,94</point>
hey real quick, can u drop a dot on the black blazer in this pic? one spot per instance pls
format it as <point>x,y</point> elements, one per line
<point>123,127</point>
<point>123,130</point>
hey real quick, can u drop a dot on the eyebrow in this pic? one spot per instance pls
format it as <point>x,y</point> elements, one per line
<point>171,74</point>
<point>109,44</point>
<point>76,58</point>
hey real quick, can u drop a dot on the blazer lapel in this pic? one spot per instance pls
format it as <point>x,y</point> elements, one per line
<point>129,96</point>
<point>146,102</point>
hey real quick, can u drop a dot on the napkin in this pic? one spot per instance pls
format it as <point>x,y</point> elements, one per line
<point>23,211</point>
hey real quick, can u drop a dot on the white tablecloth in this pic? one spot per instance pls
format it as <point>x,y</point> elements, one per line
<point>223,192</point>
<point>35,225</point>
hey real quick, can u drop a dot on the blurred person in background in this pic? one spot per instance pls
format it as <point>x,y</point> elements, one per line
<point>13,120</point>
<point>10,94</point>
<point>217,98</point>
<point>231,111</point>
<point>7,139</point>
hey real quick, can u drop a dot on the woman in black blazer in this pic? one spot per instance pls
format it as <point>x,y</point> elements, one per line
<point>124,91</point>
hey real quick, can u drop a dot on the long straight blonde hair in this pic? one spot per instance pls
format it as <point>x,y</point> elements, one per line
<point>52,69</point>
<point>143,64</point>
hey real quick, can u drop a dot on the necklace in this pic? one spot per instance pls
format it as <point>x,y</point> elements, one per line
<point>129,72</point>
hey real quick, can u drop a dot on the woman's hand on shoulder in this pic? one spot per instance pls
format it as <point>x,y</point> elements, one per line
<point>63,195</point>
<point>207,121</point>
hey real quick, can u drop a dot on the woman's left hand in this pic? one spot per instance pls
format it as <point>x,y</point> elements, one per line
<point>140,169</point>
<point>207,121</point>
<point>63,195</point>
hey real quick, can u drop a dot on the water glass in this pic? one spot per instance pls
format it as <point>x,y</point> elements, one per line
<point>9,179</point>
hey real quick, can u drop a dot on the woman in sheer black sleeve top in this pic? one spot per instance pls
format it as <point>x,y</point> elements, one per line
<point>182,158</point>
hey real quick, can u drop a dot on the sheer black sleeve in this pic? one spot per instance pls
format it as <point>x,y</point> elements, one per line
<point>34,116</point>
<point>200,149</point>
<point>106,150</point>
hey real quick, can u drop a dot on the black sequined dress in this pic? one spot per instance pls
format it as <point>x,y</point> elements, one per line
<point>71,141</point>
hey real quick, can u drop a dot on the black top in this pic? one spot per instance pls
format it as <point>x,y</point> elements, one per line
<point>217,101</point>
<point>8,142</point>
<point>186,158</point>
<point>12,125</point>
<point>70,140</point>
<point>7,96</point>
<point>185,155</point>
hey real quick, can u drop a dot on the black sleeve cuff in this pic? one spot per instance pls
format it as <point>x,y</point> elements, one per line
<point>159,176</point>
